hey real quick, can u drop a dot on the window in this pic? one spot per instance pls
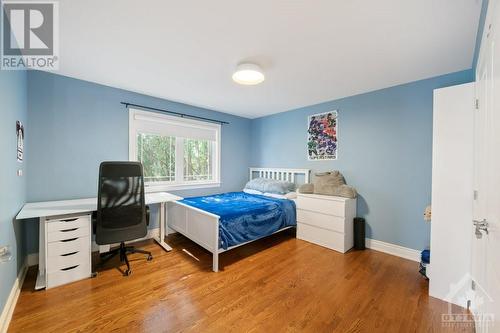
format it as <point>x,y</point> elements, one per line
<point>197,159</point>
<point>157,154</point>
<point>176,153</point>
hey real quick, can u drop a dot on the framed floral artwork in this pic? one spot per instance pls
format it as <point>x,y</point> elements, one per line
<point>322,143</point>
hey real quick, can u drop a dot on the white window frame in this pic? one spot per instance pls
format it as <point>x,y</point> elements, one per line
<point>179,183</point>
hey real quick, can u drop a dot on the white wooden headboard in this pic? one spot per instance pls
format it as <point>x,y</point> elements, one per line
<point>280,174</point>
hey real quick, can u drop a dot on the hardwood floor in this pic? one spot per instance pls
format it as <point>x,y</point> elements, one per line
<point>279,284</point>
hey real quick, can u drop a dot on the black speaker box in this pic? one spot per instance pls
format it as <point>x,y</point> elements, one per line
<point>359,233</point>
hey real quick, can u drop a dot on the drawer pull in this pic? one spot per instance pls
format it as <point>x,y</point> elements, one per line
<point>69,268</point>
<point>69,254</point>
<point>69,240</point>
<point>67,230</point>
<point>70,220</point>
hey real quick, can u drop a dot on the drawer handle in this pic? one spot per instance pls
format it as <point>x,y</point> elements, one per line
<point>69,268</point>
<point>69,254</point>
<point>69,240</point>
<point>67,230</point>
<point>70,220</point>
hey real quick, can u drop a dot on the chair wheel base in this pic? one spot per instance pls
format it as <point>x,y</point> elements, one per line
<point>127,272</point>
<point>150,257</point>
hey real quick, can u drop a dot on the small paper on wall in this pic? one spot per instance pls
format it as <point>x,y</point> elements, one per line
<point>20,141</point>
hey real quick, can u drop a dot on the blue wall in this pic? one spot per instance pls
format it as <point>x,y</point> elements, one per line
<point>385,151</point>
<point>12,187</point>
<point>385,146</point>
<point>78,124</point>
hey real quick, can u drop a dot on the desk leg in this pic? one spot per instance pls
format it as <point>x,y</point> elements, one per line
<point>161,239</point>
<point>41,278</point>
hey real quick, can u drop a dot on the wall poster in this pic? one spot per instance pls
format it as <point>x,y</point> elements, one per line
<point>322,141</point>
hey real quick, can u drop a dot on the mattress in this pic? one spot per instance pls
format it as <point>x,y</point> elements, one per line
<point>245,217</point>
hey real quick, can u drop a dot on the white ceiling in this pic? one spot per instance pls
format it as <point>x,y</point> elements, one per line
<point>311,51</point>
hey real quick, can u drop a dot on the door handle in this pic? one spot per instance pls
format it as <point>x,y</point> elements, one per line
<point>481,225</point>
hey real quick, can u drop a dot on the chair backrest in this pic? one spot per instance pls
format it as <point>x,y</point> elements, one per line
<point>121,209</point>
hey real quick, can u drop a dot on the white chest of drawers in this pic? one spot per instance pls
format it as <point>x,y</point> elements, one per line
<point>67,249</point>
<point>326,220</point>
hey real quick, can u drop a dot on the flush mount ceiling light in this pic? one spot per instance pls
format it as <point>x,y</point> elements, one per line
<point>248,74</point>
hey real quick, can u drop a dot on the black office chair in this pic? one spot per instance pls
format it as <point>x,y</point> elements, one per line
<point>121,209</point>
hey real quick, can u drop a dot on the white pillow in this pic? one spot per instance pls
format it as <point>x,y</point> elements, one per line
<point>289,195</point>
<point>250,191</point>
<point>267,185</point>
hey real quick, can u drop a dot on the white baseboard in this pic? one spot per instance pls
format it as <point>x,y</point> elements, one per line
<point>393,249</point>
<point>10,305</point>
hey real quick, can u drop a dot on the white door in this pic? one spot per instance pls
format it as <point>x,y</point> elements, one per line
<point>486,209</point>
<point>452,192</point>
<point>480,239</point>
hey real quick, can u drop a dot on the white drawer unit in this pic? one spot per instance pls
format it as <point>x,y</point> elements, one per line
<point>68,274</point>
<point>67,249</point>
<point>326,220</point>
<point>64,224</point>
<point>67,261</point>
<point>63,247</point>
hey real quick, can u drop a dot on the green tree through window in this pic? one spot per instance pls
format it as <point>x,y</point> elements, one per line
<point>157,154</point>
<point>197,160</point>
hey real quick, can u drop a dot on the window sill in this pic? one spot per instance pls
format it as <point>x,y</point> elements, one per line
<point>178,187</point>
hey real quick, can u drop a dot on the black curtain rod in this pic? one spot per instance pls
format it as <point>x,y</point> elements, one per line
<point>178,114</point>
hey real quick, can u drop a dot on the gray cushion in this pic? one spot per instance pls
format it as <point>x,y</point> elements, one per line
<point>270,186</point>
<point>345,191</point>
<point>306,188</point>
<point>329,183</point>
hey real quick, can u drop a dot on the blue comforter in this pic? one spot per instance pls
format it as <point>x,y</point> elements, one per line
<point>245,217</point>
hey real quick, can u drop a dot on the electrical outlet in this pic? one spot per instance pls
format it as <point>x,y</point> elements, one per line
<point>5,253</point>
<point>20,172</point>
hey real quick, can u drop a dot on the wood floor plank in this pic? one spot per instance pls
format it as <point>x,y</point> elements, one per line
<point>278,284</point>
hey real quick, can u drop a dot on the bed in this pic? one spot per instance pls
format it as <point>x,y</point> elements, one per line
<point>225,221</point>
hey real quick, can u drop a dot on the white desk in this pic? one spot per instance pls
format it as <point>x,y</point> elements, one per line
<point>43,210</point>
